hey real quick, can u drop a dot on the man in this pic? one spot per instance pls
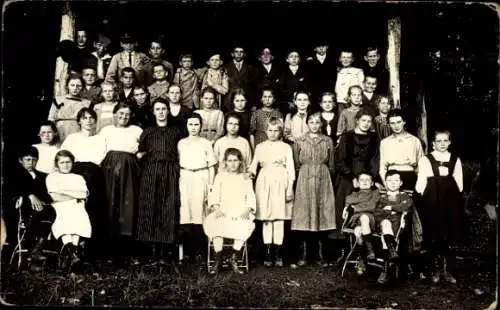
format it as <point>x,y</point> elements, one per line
<point>239,73</point>
<point>128,57</point>
<point>373,67</point>
<point>82,50</point>
<point>322,71</point>
<point>99,59</point>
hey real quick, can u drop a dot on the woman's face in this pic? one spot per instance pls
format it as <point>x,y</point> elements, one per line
<point>208,100</point>
<point>46,134</point>
<point>233,163</point>
<point>239,102</point>
<point>174,94</point>
<point>123,117</point>
<point>160,111</point>
<point>139,96</point>
<point>327,103</point>
<point>302,102</point>
<point>364,123</point>
<point>88,122</point>
<point>314,124</point>
<point>193,126</point>
<point>397,124</point>
<point>75,87</point>
<point>64,164</point>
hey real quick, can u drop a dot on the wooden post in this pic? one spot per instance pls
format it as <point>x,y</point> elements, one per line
<point>393,52</point>
<point>67,33</point>
<point>422,119</point>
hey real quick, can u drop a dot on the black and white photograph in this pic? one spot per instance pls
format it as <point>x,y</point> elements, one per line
<point>241,154</point>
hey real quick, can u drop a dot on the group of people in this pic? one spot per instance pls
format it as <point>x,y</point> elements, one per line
<point>196,156</point>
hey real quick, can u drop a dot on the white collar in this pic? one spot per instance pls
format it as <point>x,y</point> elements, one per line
<point>106,56</point>
<point>320,58</point>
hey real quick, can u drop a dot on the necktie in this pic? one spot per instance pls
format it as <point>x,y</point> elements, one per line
<point>238,66</point>
<point>130,59</point>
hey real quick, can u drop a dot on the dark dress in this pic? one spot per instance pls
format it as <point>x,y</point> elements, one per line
<point>333,127</point>
<point>159,198</point>
<point>355,153</point>
<point>322,76</point>
<point>180,120</point>
<point>245,123</point>
<point>143,115</point>
<point>441,208</point>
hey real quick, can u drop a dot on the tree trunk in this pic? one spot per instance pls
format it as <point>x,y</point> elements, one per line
<point>67,33</point>
<point>422,119</point>
<point>393,52</point>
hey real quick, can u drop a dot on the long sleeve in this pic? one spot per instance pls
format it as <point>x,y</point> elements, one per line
<point>361,77</point>
<point>366,203</point>
<point>142,141</point>
<point>52,113</point>
<point>214,194</point>
<point>383,160</point>
<point>375,159</point>
<point>250,199</point>
<point>113,69</point>
<point>458,175</point>
<point>424,171</point>
<point>220,125</point>
<point>253,123</point>
<point>255,161</point>
<point>290,166</point>
<point>331,155</point>
<point>341,154</point>
<point>403,205</point>
<point>217,150</point>
<point>296,155</point>
<point>288,127</point>
<point>342,124</point>
<point>248,153</point>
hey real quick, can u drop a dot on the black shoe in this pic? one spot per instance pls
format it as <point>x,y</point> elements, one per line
<point>384,275</point>
<point>278,257</point>
<point>217,263</point>
<point>390,241</point>
<point>234,262</point>
<point>303,254</point>
<point>370,253</point>
<point>446,275</point>
<point>268,259</point>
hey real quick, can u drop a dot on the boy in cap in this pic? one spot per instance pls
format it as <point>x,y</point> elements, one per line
<point>128,57</point>
<point>99,59</point>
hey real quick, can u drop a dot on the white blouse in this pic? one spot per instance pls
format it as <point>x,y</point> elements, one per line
<point>425,171</point>
<point>239,143</point>
<point>196,154</point>
<point>85,148</point>
<point>46,156</point>
<point>401,153</point>
<point>123,139</point>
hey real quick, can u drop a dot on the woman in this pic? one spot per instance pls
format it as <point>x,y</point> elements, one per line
<point>89,150</point>
<point>143,115</point>
<point>357,151</point>
<point>159,197</point>
<point>121,174</point>
<point>64,108</point>
<point>178,112</point>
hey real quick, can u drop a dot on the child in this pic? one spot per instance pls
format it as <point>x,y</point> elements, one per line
<point>143,112</point>
<point>188,80</point>
<point>239,74</point>
<point>260,118</point>
<point>381,123</point>
<point>329,115</point>
<point>90,91</point>
<point>295,122</point>
<point>159,88</point>
<point>347,120</point>
<point>266,74</point>
<point>213,119</point>
<point>155,54</point>
<point>440,182</point>
<point>104,110</point>
<point>69,191</point>
<point>274,188</point>
<point>370,98</point>
<point>197,162</point>
<point>363,204</point>
<point>374,67</point>
<point>232,201</point>
<point>314,204</point>
<point>239,106</point>
<point>99,59</point>
<point>232,139</point>
<point>127,58</point>
<point>128,80</point>
<point>215,77</point>
<point>293,78</point>
<point>388,217</point>
<point>321,68</point>
<point>347,76</point>
<point>48,147</point>
<point>64,108</point>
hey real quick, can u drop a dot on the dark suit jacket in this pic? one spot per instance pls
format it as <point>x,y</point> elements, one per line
<point>127,99</point>
<point>25,185</point>
<point>263,79</point>
<point>371,104</point>
<point>382,75</point>
<point>322,76</point>
<point>238,79</point>
<point>289,83</point>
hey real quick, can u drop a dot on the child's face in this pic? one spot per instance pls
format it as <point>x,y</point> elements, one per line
<point>233,126</point>
<point>139,96</point>
<point>346,59</point>
<point>214,62</point>
<point>108,93</point>
<point>442,142</point>
<point>372,58</point>
<point>321,50</point>
<point>87,122</point>
<point>159,73</point>
<point>174,94</point>
<point>46,134</point>
<point>28,162</point>
<point>327,103</point>
<point>239,102</point>
<point>302,102</point>
<point>267,98</point>
<point>123,116</point>
<point>238,54</point>
<point>384,106</point>
<point>193,126</point>
<point>127,47</point>
<point>155,50</point>
<point>293,59</point>
<point>75,87</point>
<point>266,57</point>
<point>89,76</point>
<point>160,111</point>
<point>273,132</point>
<point>393,182</point>
<point>370,84</point>
<point>64,164</point>
<point>365,181</point>
<point>186,63</point>
<point>208,100</point>
<point>100,48</point>
<point>233,163</point>
<point>314,124</point>
<point>127,79</point>
<point>356,96</point>
<point>397,124</point>
<point>364,123</point>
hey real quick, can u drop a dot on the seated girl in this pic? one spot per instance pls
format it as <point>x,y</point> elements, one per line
<point>68,191</point>
<point>233,204</point>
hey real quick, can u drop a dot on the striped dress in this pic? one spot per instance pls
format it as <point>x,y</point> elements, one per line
<point>159,197</point>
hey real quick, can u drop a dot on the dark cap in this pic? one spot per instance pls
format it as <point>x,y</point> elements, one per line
<point>127,38</point>
<point>104,40</point>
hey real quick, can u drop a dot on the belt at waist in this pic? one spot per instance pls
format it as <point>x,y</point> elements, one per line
<point>65,119</point>
<point>401,167</point>
<point>210,130</point>
<point>194,170</point>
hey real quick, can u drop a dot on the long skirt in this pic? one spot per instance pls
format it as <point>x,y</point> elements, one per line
<point>314,205</point>
<point>121,173</point>
<point>270,190</point>
<point>441,211</point>
<point>158,211</point>
<point>97,201</point>
<point>193,186</point>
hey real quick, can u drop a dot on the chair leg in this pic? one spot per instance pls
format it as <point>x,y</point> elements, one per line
<point>353,244</point>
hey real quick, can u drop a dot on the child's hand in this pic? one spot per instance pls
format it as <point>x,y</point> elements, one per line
<point>140,155</point>
<point>219,214</point>
<point>387,208</point>
<point>379,186</point>
<point>289,195</point>
<point>36,204</point>
<point>248,176</point>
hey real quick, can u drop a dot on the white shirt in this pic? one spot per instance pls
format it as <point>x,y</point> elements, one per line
<point>321,58</point>
<point>346,78</point>
<point>425,171</point>
<point>121,139</point>
<point>238,64</point>
<point>293,69</point>
<point>368,95</point>
<point>100,65</point>
<point>85,148</point>
<point>46,156</point>
<point>400,153</point>
<point>222,144</point>
<point>268,67</point>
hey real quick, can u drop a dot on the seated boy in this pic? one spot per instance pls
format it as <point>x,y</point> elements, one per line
<point>363,203</point>
<point>388,216</point>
